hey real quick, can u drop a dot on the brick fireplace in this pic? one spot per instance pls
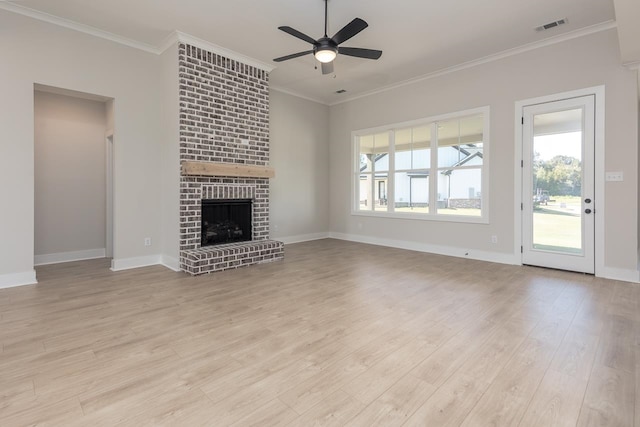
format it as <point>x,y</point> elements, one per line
<point>224,121</point>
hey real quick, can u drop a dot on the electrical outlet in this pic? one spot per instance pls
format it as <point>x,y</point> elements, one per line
<point>494,239</point>
<point>147,241</point>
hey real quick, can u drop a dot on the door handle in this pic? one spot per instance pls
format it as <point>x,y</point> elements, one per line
<point>587,211</point>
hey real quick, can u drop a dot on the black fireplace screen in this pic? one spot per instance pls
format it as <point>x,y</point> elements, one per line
<point>225,221</point>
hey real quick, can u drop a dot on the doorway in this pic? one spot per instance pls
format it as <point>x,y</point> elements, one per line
<point>558,185</point>
<point>73,176</point>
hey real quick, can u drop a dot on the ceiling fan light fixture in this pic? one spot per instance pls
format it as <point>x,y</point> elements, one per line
<point>325,55</point>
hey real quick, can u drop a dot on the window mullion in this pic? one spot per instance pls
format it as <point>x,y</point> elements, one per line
<point>372,186</point>
<point>433,173</point>
<point>391,172</point>
<point>356,175</point>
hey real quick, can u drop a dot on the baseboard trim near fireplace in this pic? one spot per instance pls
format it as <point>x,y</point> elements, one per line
<point>18,279</point>
<point>69,256</point>
<point>145,261</point>
<point>170,262</point>
<point>135,262</point>
<point>303,238</point>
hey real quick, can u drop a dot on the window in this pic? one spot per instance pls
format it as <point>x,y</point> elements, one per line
<point>433,168</point>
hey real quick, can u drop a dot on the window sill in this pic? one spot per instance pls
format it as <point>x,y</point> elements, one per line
<point>425,217</point>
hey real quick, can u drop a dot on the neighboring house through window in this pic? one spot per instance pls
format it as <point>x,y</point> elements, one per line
<point>434,168</point>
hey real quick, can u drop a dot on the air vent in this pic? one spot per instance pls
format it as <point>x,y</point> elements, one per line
<point>341,91</point>
<point>551,25</point>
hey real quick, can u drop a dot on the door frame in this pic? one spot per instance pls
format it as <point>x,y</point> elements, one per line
<point>109,156</point>
<point>599,170</point>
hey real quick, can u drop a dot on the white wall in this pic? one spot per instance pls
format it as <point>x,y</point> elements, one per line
<point>579,63</point>
<point>69,144</point>
<point>37,52</point>
<point>299,153</point>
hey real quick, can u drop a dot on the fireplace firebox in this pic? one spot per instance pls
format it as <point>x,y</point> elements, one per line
<point>225,221</point>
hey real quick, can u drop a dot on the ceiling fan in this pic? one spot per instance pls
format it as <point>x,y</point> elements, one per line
<point>325,49</point>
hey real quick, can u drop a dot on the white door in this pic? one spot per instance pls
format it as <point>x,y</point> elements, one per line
<point>558,184</point>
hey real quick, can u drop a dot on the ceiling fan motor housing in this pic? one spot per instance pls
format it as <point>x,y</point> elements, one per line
<point>325,43</point>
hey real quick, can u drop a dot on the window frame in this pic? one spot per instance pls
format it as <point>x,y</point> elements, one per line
<point>433,184</point>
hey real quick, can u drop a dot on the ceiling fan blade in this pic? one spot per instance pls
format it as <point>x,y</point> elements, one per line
<point>360,53</point>
<point>298,34</point>
<point>349,30</point>
<point>293,55</point>
<point>327,67</point>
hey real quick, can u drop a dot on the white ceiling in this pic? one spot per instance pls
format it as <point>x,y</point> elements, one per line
<point>417,37</point>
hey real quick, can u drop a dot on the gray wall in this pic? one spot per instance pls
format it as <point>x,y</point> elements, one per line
<point>299,135</point>
<point>70,189</point>
<point>170,142</point>
<point>310,143</point>
<point>47,54</point>
<point>579,63</point>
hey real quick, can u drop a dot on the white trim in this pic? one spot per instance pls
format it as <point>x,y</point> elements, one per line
<point>170,40</point>
<point>635,65</point>
<point>621,274</point>
<point>599,199</point>
<point>302,238</point>
<point>170,262</point>
<point>59,257</point>
<point>179,36</point>
<point>466,219</point>
<point>497,257</point>
<point>297,95</point>
<point>135,262</point>
<point>73,25</point>
<point>18,279</point>
<point>391,128</point>
<point>71,93</point>
<point>501,258</point>
<point>593,29</point>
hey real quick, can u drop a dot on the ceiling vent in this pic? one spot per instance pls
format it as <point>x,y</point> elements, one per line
<point>551,25</point>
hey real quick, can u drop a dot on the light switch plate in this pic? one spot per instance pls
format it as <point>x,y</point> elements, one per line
<point>614,176</point>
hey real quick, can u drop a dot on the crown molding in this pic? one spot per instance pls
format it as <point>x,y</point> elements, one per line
<point>174,37</point>
<point>635,65</point>
<point>87,29</point>
<point>179,36</point>
<point>603,26</point>
<point>297,95</point>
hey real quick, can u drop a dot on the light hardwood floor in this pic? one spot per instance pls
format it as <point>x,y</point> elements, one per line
<point>337,334</point>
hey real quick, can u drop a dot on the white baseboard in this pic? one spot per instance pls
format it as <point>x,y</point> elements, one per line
<point>68,256</point>
<point>607,273</point>
<point>621,274</point>
<point>135,262</point>
<point>170,262</point>
<point>18,279</point>
<point>302,238</point>
<point>501,258</point>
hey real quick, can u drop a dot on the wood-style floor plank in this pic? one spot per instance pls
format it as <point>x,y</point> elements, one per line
<point>339,333</point>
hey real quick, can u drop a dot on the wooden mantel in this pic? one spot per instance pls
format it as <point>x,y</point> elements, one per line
<point>226,169</point>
